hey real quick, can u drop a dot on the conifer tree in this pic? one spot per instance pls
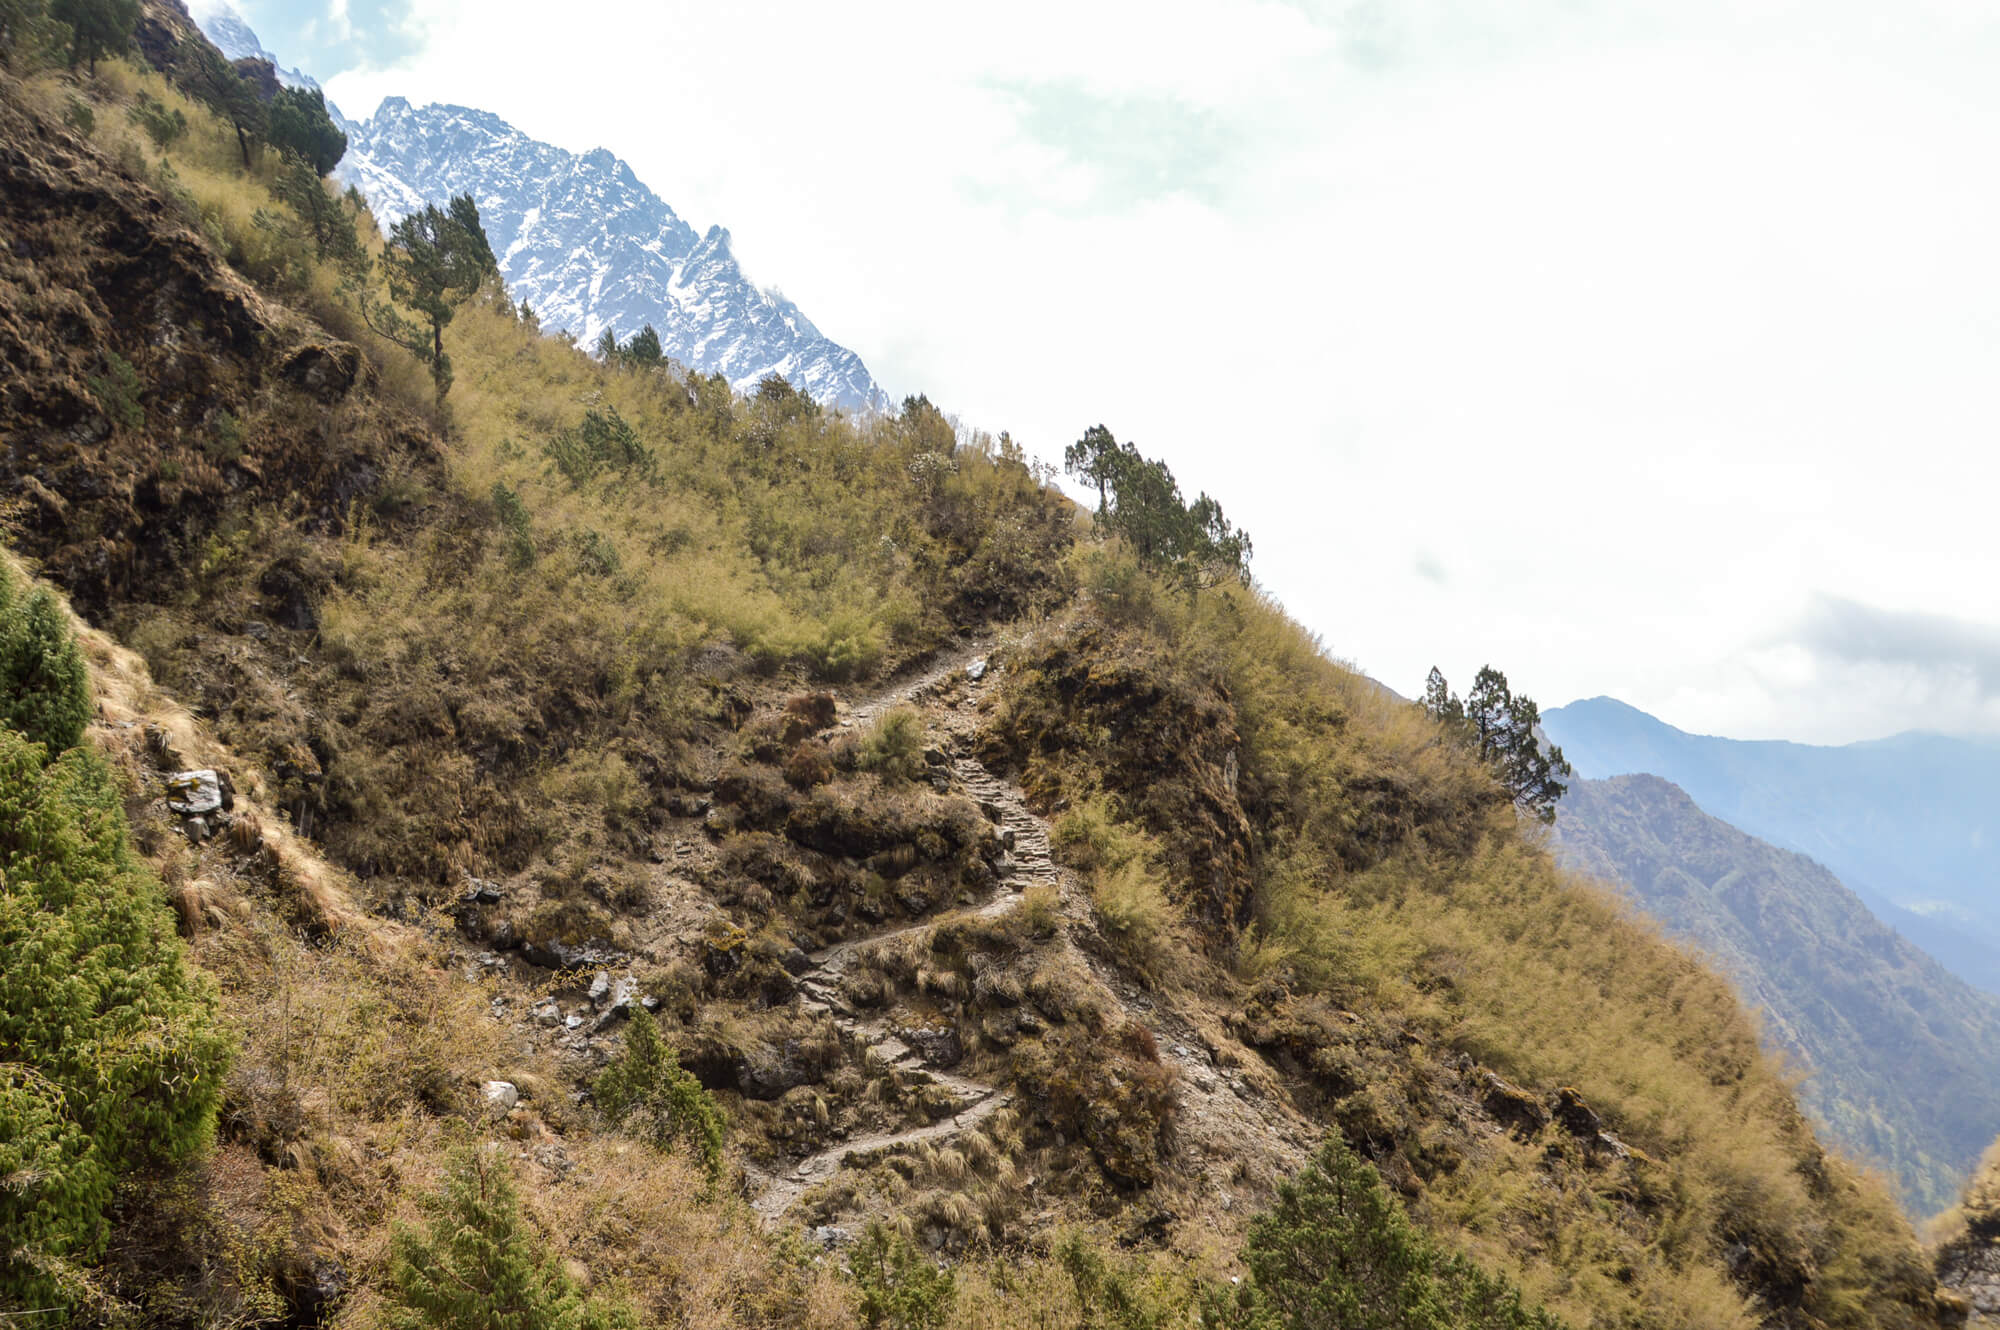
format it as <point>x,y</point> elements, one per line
<point>299,123</point>
<point>109,1052</point>
<point>212,79</point>
<point>1139,499</point>
<point>1503,729</point>
<point>435,259</point>
<point>480,1266</point>
<point>646,1091</point>
<point>44,687</point>
<point>97,28</point>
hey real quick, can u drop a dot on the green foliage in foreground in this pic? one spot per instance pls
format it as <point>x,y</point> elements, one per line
<point>44,688</point>
<point>479,1265</point>
<point>900,1287</point>
<point>647,1092</point>
<point>110,1058</point>
<point>1337,1253</point>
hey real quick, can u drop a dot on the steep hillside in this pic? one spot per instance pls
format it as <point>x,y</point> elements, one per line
<point>718,861</point>
<point>1902,821</point>
<point>1904,1058</point>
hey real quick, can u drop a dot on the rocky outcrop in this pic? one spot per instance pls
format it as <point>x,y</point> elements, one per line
<point>145,387</point>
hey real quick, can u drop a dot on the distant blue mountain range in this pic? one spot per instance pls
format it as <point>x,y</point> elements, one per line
<point>1910,823</point>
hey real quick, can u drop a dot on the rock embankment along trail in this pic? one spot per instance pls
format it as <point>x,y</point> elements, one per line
<point>1223,1118</point>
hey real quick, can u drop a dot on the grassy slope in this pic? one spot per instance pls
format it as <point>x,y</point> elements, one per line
<point>357,625</point>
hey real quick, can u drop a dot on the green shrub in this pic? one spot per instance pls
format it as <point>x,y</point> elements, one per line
<point>117,391</point>
<point>480,1265</point>
<point>162,123</point>
<point>900,1287</point>
<point>894,748</point>
<point>1116,1298</point>
<point>603,442</point>
<point>647,1093</point>
<point>44,687</point>
<point>1337,1253</point>
<point>110,1057</point>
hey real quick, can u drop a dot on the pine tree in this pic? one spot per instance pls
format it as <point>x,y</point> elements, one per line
<point>300,124</point>
<point>1503,729</point>
<point>647,1092</point>
<point>213,80</point>
<point>644,348</point>
<point>44,687</point>
<point>435,259</point>
<point>1139,499</point>
<point>97,28</point>
<point>480,1266</point>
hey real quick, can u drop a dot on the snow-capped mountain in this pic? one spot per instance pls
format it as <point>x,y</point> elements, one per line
<point>582,239</point>
<point>584,242</point>
<point>234,38</point>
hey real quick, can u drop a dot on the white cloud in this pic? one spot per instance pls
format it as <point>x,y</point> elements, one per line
<point>1648,323</point>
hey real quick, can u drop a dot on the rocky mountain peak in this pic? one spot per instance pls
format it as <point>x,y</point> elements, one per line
<point>583,240</point>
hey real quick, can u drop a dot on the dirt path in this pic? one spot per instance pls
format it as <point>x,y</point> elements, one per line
<point>1222,1118</point>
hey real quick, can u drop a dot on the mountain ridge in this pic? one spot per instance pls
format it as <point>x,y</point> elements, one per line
<point>1869,1013</point>
<point>1900,821</point>
<point>585,242</point>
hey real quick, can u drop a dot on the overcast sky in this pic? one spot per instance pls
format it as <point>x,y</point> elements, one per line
<point>1645,349</point>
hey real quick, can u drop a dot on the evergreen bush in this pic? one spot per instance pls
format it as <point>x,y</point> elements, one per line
<point>479,1265</point>
<point>648,1093</point>
<point>900,1288</point>
<point>1336,1252</point>
<point>110,1058</point>
<point>44,687</point>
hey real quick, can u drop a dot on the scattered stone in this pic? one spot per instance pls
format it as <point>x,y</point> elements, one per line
<point>204,790</point>
<point>976,670</point>
<point>547,1012</point>
<point>501,1095</point>
<point>938,1046</point>
<point>552,954</point>
<point>478,891</point>
<point>830,1237</point>
<point>600,987</point>
<point>572,1022</point>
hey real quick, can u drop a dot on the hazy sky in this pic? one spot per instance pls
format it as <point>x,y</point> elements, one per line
<point>1645,349</point>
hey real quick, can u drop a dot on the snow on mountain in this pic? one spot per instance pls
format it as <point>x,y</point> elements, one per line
<point>582,239</point>
<point>233,37</point>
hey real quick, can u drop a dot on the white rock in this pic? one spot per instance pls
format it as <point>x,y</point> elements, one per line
<point>502,1095</point>
<point>192,793</point>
